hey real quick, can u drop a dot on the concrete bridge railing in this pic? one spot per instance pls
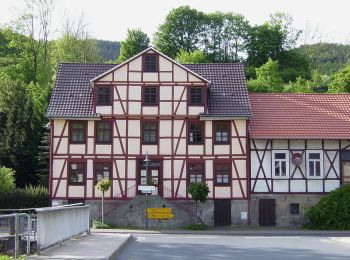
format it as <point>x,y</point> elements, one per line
<point>56,224</point>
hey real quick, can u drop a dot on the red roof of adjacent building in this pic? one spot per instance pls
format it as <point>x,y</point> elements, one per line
<point>300,116</point>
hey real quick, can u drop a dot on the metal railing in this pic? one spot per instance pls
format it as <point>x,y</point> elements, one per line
<point>57,224</point>
<point>16,227</point>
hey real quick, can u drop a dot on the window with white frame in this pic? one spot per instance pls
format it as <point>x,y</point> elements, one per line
<point>314,164</point>
<point>280,164</point>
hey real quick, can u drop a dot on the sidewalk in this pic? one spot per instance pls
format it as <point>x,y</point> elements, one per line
<point>92,246</point>
<point>234,231</point>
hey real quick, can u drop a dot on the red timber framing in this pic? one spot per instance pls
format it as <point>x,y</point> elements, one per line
<point>262,162</point>
<point>126,148</point>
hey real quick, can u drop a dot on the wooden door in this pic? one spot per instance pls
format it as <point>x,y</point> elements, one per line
<point>222,212</point>
<point>345,172</point>
<point>154,176</point>
<point>267,212</point>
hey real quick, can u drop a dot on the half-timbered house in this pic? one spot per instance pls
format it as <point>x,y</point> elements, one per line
<point>299,151</point>
<point>190,119</point>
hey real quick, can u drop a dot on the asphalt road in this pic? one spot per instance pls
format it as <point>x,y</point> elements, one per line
<point>163,246</point>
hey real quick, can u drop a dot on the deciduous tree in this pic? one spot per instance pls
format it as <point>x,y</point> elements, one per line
<point>135,42</point>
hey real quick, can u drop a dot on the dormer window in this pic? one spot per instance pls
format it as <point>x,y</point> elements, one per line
<point>150,63</point>
<point>104,96</point>
<point>196,96</point>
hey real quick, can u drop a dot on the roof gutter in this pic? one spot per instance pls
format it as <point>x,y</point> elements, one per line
<point>75,118</point>
<point>207,117</point>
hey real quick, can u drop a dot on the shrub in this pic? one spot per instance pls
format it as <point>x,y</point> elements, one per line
<point>199,226</point>
<point>331,212</point>
<point>7,180</point>
<point>30,197</point>
<point>99,225</point>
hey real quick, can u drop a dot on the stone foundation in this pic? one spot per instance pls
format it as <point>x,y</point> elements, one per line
<point>284,218</point>
<point>131,213</point>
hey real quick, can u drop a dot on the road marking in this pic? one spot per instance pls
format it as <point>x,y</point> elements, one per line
<point>252,237</point>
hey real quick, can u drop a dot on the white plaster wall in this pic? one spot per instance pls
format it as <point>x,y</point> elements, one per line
<point>280,185</point>
<point>315,185</point>
<point>167,169</point>
<point>135,76</point>
<point>221,149</point>
<point>58,127</point>
<point>57,167</point>
<point>122,90</point>
<point>132,169</point>
<point>241,167</point>
<point>179,74</point>
<point>195,110</point>
<point>165,93</point>
<point>76,191</point>
<point>135,93</point>
<point>192,78</point>
<point>134,128</point>
<point>208,145</point>
<point>241,127</point>
<point>165,108</point>
<point>164,64</point>
<point>150,149</point>
<point>280,144</point>
<point>209,169</point>
<point>103,149</point>
<point>331,185</point>
<point>121,74</point>
<point>134,146</point>
<point>298,186</point>
<point>195,149</point>
<point>150,76</point>
<point>165,128</point>
<point>108,77</point>
<point>236,189</point>
<point>61,192</point>
<point>165,146</point>
<point>104,110</point>
<point>222,192</point>
<point>136,64</point>
<point>314,144</point>
<point>165,76</point>
<point>146,110</point>
<point>121,169</point>
<point>297,144</point>
<point>134,108</point>
<point>77,148</point>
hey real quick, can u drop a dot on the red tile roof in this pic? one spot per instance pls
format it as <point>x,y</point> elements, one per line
<point>300,116</point>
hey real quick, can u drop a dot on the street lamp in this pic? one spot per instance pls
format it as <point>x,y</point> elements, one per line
<point>146,163</point>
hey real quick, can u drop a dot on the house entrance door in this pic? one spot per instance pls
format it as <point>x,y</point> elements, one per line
<point>267,212</point>
<point>154,176</point>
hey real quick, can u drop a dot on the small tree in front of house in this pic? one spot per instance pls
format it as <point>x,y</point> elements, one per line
<point>199,193</point>
<point>103,186</point>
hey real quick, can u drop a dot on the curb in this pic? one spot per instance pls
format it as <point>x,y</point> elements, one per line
<point>236,233</point>
<point>124,244</point>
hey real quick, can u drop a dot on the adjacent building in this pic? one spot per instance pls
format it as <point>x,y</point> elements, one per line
<point>265,157</point>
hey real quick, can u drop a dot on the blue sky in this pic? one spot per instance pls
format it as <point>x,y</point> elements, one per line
<point>110,19</point>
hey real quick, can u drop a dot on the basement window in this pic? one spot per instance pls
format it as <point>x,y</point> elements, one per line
<point>294,208</point>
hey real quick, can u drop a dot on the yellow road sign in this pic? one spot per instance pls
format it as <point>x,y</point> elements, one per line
<point>160,213</point>
<point>159,210</point>
<point>161,216</point>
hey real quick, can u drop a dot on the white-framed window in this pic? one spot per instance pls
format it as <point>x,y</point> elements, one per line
<point>314,163</point>
<point>280,163</point>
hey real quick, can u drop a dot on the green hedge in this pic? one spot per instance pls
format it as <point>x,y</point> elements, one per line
<point>331,212</point>
<point>30,197</point>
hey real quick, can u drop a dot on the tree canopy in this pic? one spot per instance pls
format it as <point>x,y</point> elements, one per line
<point>135,42</point>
